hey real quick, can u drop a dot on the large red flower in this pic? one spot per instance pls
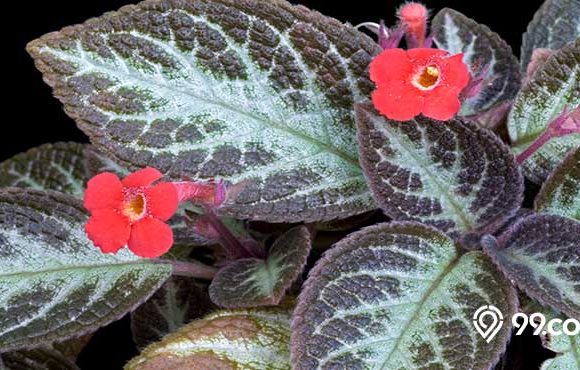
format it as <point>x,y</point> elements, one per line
<point>410,82</point>
<point>131,212</point>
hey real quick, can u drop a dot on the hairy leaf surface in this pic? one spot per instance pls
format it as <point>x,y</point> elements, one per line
<point>541,255</point>
<point>42,358</point>
<point>553,87</point>
<point>243,90</point>
<point>59,166</point>
<point>54,282</point>
<point>252,282</point>
<point>482,50</point>
<point>567,348</point>
<point>179,301</point>
<point>560,194</point>
<point>555,24</point>
<point>452,175</point>
<point>398,296</point>
<point>238,339</point>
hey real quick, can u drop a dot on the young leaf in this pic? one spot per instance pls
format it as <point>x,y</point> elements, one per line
<point>59,166</point>
<point>555,24</point>
<point>482,50</point>
<point>552,88</point>
<point>179,301</point>
<point>240,339</point>
<point>42,358</point>
<point>567,347</point>
<point>398,296</point>
<point>452,175</point>
<point>252,282</point>
<point>54,283</point>
<point>560,194</point>
<point>253,91</point>
<point>541,255</point>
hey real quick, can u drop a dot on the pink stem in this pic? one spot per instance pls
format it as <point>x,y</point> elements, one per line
<point>534,147</point>
<point>192,269</point>
<point>234,248</point>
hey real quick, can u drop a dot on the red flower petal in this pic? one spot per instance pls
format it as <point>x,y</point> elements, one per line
<point>424,55</point>
<point>391,64</point>
<point>162,200</point>
<point>150,238</point>
<point>144,177</point>
<point>442,104</point>
<point>455,73</point>
<point>108,230</point>
<point>103,191</point>
<point>399,102</point>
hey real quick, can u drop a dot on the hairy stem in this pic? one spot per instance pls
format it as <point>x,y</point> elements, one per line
<point>234,248</point>
<point>536,145</point>
<point>191,269</point>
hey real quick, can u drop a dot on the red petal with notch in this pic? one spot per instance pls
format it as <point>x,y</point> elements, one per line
<point>103,191</point>
<point>150,238</point>
<point>144,177</point>
<point>390,65</point>
<point>108,230</point>
<point>162,200</point>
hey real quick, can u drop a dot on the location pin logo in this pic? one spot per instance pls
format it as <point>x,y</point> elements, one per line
<point>482,318</point>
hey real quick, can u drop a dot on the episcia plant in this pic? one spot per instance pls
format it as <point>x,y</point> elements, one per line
<point>269,188</point>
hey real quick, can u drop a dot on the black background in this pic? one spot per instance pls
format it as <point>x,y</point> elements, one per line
<point>31,116</point>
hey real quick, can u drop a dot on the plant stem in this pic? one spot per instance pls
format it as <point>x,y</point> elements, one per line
<point>234,248</point>
<point>192,269</point>
<point>534,147</point>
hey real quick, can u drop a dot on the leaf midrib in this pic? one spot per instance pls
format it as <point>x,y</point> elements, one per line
<point>346,157</point>
<point>432,288</point>
<point>83,267</point>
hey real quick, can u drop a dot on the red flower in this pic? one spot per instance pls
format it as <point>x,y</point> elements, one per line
<point>131,212</point>
<point>418,81</point>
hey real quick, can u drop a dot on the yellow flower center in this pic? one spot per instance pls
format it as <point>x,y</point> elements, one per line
<point>427,79</point>
<point>134,208</point>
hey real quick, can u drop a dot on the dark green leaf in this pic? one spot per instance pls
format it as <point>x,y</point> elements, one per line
<point>252,282</point>
<point>59,166</point>
<point>555,24</point>
<point>42,358</point>
<point>452,175</point>
<point>54,283</point>
<point>543,98</point>
<point>243,90</point>
<point>481,48</point>
<point>560,194</point>
<point>541,255</point>
<point>398,296</point>
<point>179,301</point>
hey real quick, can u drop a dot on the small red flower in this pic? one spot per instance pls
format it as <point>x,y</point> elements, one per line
<point>131,212</point>
<point>416,81</point>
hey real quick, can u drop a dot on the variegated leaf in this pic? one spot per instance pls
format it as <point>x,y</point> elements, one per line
<point>555,24</point>
<point>243,90</point>
<point>452,175</point>
<point>42,358</point>
<point>252,282</point>
<point>482,50</point>
<point>239,339</point>
<point>59,166</point>
<point>541,255</point>
<point>560,194</point>
<point>567,348</point>
<point>553,87</point>
<point>54,282</point>
<point>179,301</point>
<point>398,296</point>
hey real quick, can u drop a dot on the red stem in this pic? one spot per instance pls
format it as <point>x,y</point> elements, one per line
<point>535,146</point>
<point>191,269</point>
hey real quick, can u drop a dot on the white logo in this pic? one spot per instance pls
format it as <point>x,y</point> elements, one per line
<point>488,330</point>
